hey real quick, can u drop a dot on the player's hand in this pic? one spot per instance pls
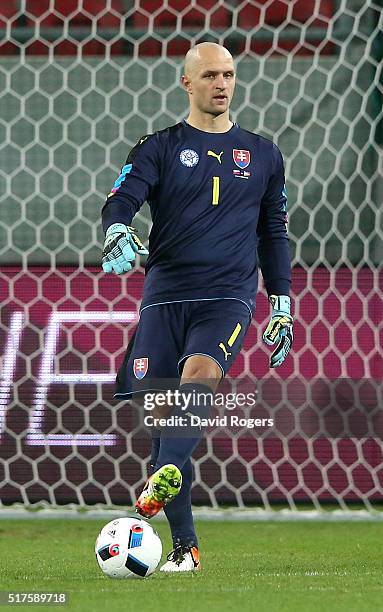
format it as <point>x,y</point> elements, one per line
<point>120,248</point>
<point>279,329</point>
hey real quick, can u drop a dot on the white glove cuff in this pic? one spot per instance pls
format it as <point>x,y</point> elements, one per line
<point>116,228</point>
<point>280,303</point>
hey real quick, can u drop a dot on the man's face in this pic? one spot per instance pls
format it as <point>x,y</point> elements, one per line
<point>211,84</point>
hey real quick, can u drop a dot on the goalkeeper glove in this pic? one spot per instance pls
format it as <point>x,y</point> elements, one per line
<point>279,329</point>
<point>120,248</point>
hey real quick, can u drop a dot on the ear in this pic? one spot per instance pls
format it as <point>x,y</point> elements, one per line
<point>186,83</point>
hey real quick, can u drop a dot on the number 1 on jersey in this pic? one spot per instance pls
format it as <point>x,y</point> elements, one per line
<point>215,196</point>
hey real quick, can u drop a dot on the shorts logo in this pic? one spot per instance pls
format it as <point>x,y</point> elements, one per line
<point>225,351</point>
<point>140,367</point>
<point>241,158</point>
<point>230,341</point>
<point>189,158</point>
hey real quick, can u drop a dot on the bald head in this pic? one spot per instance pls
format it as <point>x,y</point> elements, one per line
<point>204,53</point>
<point>209,81</point>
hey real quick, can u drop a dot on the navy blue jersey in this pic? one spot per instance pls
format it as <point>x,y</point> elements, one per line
<point>217,201</point>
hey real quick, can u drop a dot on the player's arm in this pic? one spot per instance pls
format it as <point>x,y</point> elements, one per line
<point>134,185</point>
<point>274,260</point>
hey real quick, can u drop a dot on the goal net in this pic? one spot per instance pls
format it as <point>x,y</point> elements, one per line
<point>81,82</point>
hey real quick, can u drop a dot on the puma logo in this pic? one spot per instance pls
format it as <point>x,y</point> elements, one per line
<point>226,353</point>
<point>217,156</point>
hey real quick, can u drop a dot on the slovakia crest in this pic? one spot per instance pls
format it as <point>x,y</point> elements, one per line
<point>140,367</point>
<point>241,158</point>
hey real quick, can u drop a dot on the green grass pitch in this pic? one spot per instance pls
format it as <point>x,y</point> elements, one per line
<point>248,566</point>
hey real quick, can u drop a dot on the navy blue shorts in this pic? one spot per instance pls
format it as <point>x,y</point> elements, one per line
<point>167,334</point>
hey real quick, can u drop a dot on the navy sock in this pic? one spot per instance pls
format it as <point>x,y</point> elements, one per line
<point>179,511</point>
<point>178,442</point>
<point>156,441</point>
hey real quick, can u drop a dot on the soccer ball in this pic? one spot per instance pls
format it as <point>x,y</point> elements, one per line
<point>128,548</point>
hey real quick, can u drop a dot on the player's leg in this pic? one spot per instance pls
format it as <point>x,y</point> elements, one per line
<point>177,444</point>
<point>196,392</point>
<point>204,338</point>
<point>151,362</point>
<point>179,441</point>
<point>185,554</point>
<point>178,512</point>
<point>176,447</point>
<point>214,337</point>
<point>163,484</point>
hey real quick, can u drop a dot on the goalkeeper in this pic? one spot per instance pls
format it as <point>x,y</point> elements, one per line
<point>218,205</point>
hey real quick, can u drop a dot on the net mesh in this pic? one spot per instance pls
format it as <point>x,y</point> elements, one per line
<point>81,82</point>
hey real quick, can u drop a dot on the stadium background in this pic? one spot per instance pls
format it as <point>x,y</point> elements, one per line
<point>81,82</point>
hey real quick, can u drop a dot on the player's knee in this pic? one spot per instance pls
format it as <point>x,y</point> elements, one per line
<point>201,368</point>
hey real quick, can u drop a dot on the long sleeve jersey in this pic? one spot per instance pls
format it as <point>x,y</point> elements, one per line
<point>218,206</point>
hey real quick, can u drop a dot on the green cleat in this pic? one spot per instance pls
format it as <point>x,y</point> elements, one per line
<point>159,490</point>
